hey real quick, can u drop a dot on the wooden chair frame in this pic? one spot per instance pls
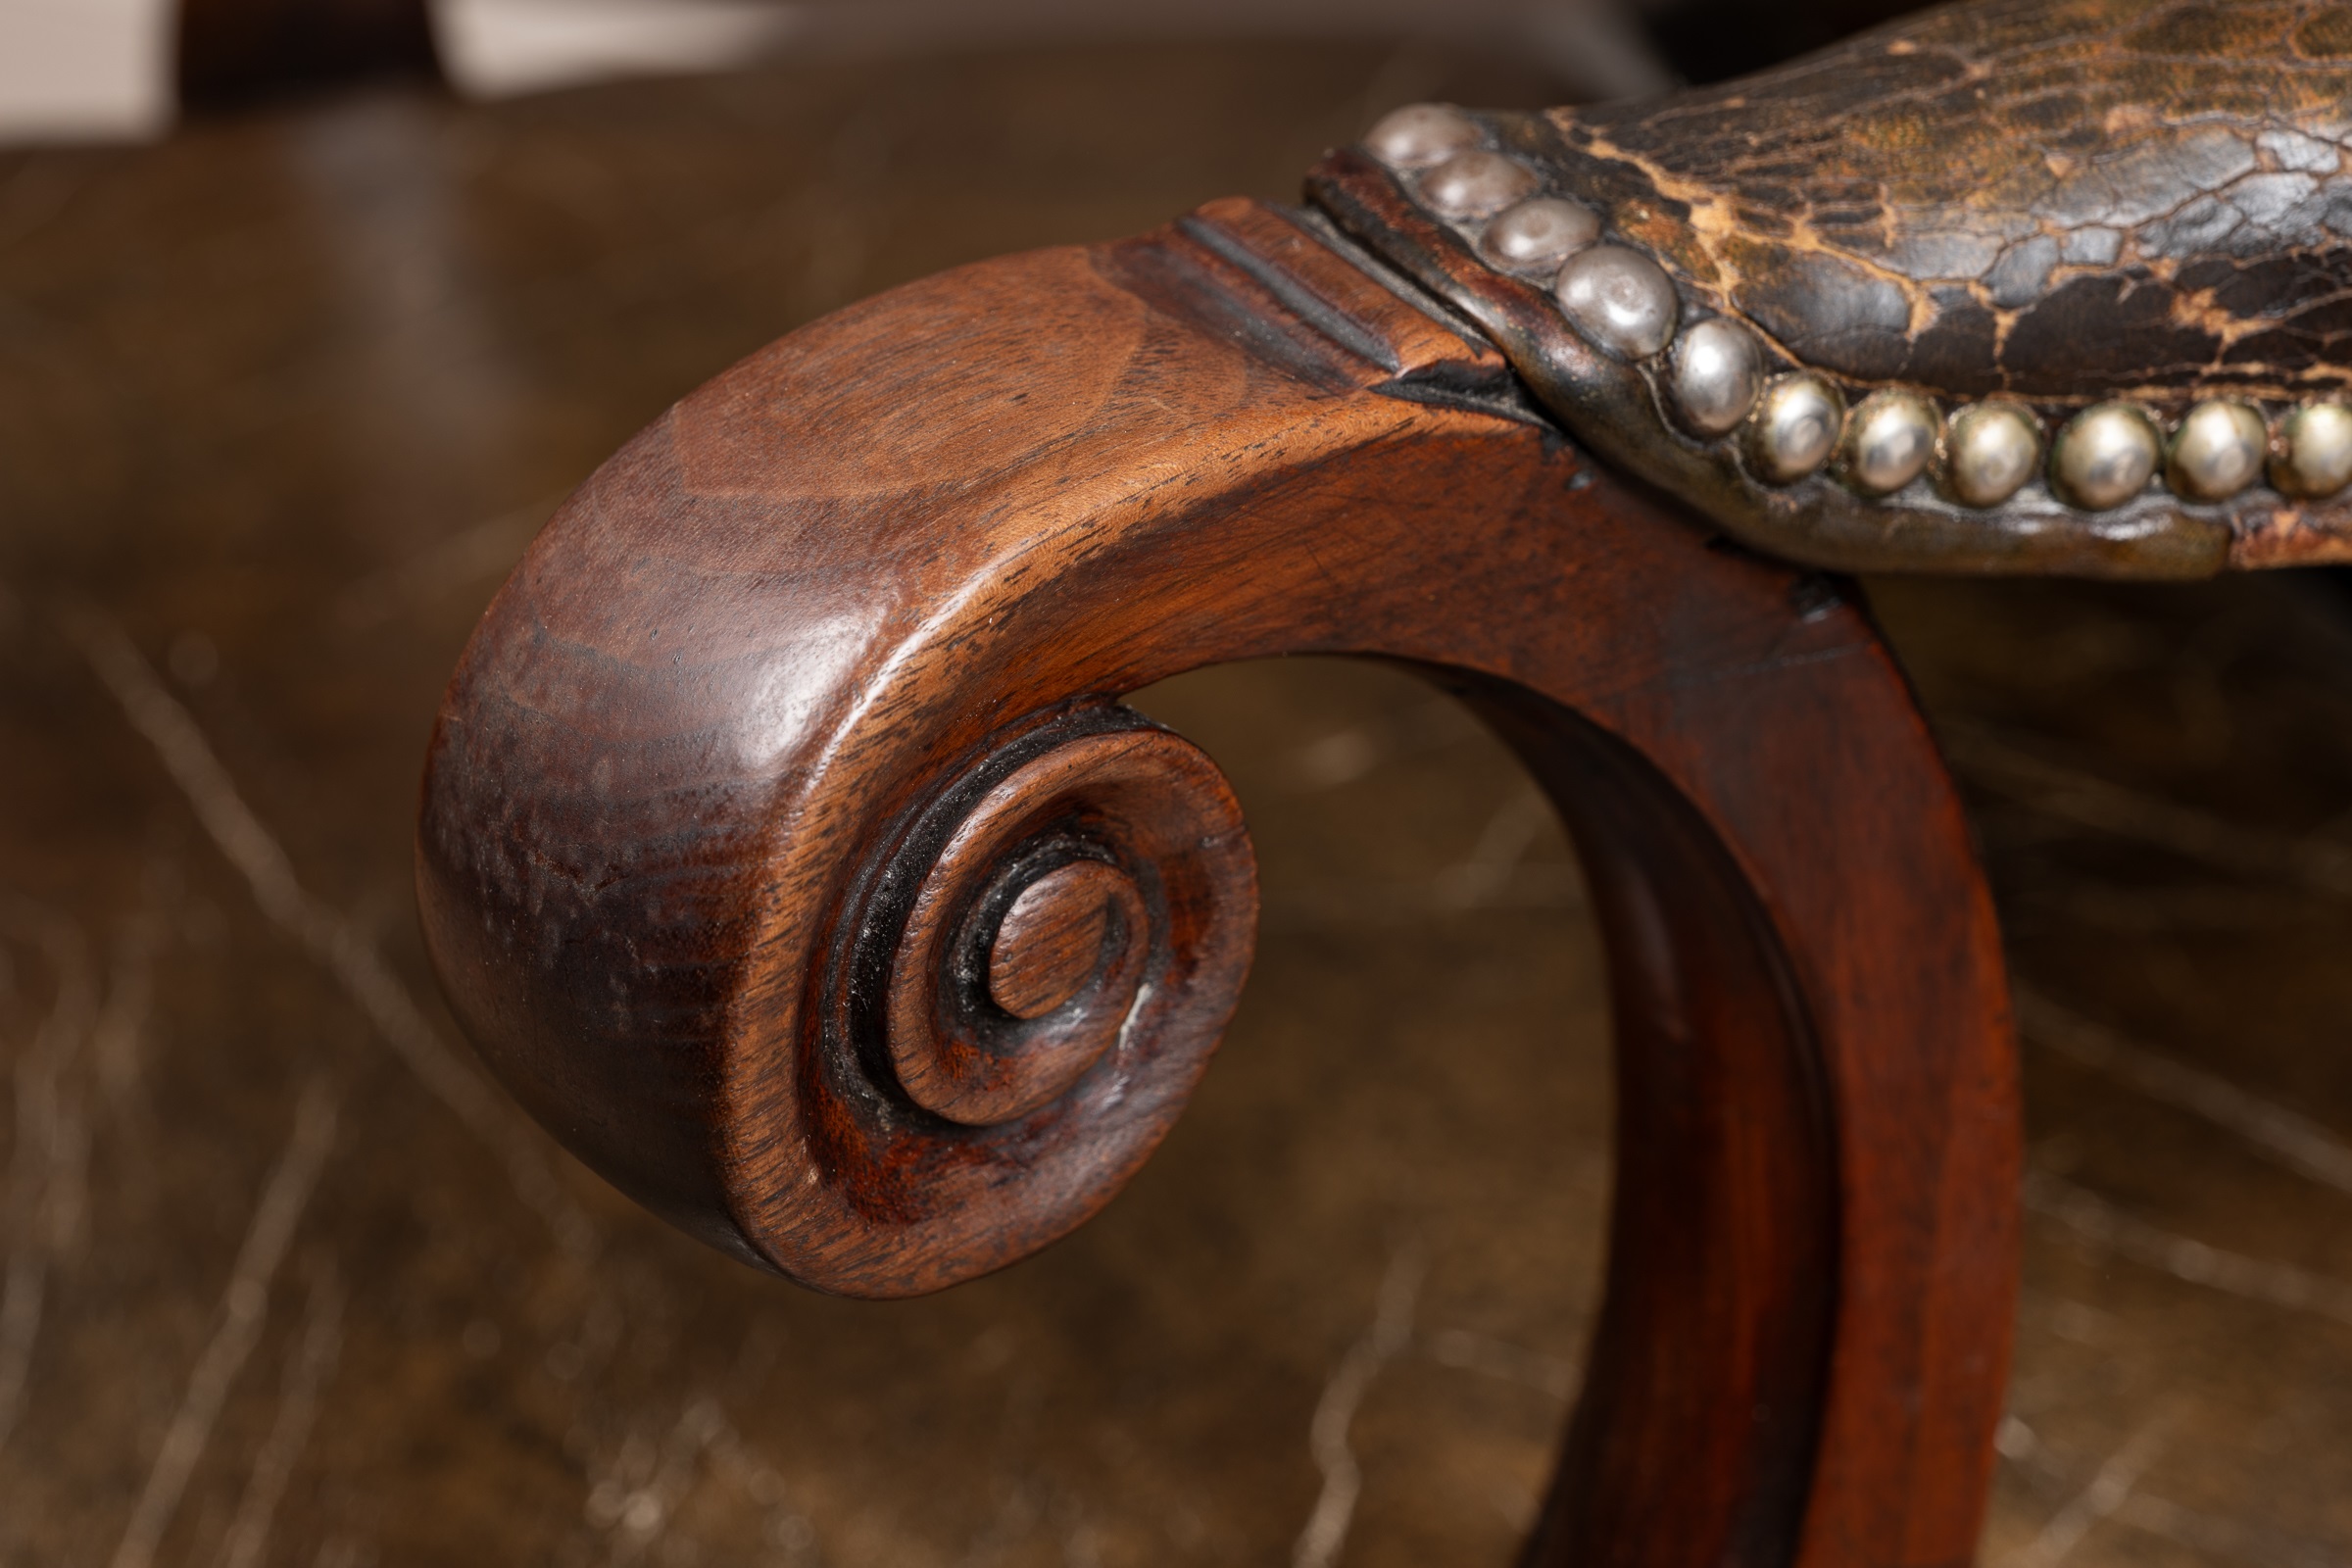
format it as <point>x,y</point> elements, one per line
<point>738,789</point>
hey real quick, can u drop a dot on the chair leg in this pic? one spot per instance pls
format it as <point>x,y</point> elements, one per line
<point>1813,1251</point>
<point>232,52</point>
<point>786,847</point>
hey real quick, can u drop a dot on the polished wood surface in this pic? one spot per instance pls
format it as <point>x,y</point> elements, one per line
<point>1058,932</point>
<point>773,719</point>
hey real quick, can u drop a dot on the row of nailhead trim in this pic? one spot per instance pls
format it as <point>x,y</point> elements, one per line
<point>1793,426</point>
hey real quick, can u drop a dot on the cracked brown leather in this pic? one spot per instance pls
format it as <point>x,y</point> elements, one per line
<point>2060,203</point>
<point>2063,201</point>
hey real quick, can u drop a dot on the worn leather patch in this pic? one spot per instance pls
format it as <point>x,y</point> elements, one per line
<point>2093,258</point>
<point>2063,201</point>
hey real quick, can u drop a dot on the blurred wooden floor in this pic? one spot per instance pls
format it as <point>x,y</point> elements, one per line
<point>281,399</point>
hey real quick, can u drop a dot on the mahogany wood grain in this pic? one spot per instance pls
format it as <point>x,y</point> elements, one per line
<point>746,767</point>
<point>1053,934</point>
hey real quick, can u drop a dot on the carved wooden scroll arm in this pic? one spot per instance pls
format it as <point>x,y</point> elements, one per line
<point>788,850</point>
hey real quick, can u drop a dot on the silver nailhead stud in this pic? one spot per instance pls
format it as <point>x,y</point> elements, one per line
<point>1991,449</point>
<point>2217,452</point>
<point>2105,456</point>
<point>1795,427</point>
<point>1717,373</point>
<point>1537,236</point>
<point>1620,299</point>
<point>1421,134</point>
<point>1474,183</point>
<point>1888,440</point>
<point>2315,456</point>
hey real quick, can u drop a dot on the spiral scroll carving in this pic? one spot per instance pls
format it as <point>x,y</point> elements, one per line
<point>1055,893</point>
<point>1035,973</point>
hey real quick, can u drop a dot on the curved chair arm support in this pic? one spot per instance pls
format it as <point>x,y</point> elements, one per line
<point>787,849</point>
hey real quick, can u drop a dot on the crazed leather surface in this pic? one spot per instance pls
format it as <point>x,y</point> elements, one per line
<point>2057,202</point>
<point>2065,201</point>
